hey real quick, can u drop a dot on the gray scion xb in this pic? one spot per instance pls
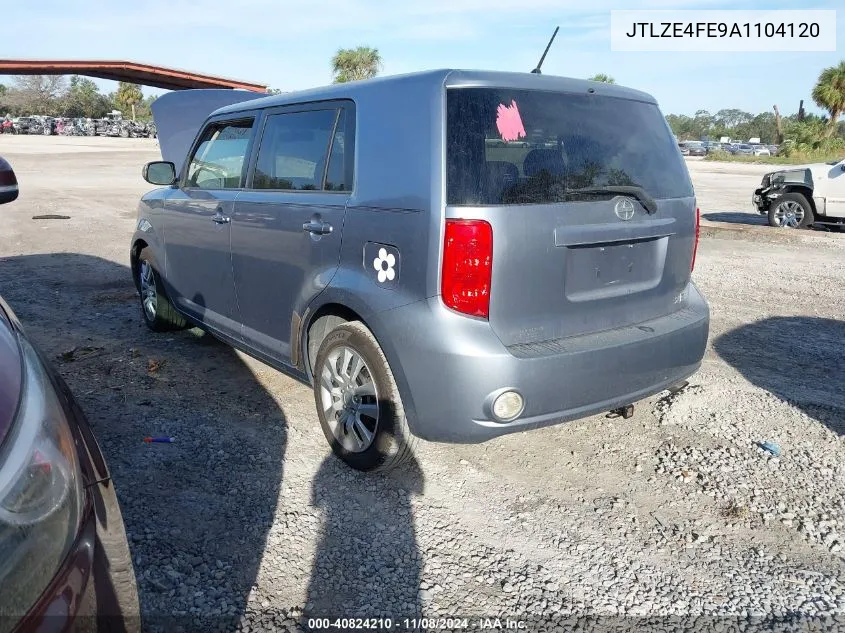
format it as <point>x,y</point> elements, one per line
<point>451,255</point>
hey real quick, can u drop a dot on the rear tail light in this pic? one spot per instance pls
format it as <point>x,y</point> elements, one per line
<point>467,266</point>
<point>697,233</point>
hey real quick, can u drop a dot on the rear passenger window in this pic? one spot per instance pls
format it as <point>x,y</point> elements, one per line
<point>337,176</point>
<point>218,161</point>
<point>294,150</point>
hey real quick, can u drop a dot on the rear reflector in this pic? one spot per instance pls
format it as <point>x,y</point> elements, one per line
<point>467,266</point>
<point>697,233</point>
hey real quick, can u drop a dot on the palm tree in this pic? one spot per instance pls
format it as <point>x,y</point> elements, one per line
<point>352,64</point>
<point>829,93</point>
<point>607,79</point>
<point>128,96</point>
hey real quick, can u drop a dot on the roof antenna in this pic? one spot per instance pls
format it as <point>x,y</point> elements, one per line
<point>536,71</point>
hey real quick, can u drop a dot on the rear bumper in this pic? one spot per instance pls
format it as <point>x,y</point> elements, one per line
<point>448,365</point>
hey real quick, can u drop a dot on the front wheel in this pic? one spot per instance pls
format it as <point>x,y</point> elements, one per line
<point>357,400</point>
<point>791,211</point>
<point>158,313</point>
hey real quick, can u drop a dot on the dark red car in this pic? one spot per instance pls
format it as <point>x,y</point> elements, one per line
<point>64,559</point>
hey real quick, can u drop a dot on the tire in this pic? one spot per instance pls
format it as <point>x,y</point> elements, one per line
<point>158,313</point>
<point>373,385</point>
<point>791,211</point>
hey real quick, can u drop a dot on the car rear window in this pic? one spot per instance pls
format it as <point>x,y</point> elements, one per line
<point>509,146</point>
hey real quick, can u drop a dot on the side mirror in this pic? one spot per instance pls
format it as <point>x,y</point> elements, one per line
<point>842,166</point>
<point>159,172</point>
<point>8,183</point>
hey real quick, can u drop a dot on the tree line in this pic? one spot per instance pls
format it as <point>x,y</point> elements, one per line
<point>799,132</point>
<point>738,124</point>
<point>60,96</point>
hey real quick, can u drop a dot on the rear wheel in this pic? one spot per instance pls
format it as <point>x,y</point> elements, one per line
<point>791,211</point>
<point>357,400</point>
<point>158,313</point>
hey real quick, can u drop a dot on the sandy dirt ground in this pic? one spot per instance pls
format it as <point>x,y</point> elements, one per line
<point>675,512</point>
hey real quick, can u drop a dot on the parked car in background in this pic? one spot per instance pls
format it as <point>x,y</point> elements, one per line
<point>760,150</point>
<point>712,146</point>
<point>797,197</point>
<point>693,148</point>
<point>773,149</point>
<point>743,148</point>
<point>64,559</point>
<point>429,322</point>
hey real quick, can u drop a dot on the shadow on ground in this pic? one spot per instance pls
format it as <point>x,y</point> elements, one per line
<point>367,562</point>
<point>796,359</point>
<point>198,511</point>
<point>736,217</point>
<point>755,219</point>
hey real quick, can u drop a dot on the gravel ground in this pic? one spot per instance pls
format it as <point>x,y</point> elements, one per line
<point>248,522</point>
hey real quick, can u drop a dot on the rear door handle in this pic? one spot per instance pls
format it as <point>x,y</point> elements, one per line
<point>317,227</point>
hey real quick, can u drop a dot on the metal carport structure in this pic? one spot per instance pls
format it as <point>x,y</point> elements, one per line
<point>133,72</point>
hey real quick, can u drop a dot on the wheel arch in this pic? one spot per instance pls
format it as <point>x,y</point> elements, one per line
<point>316,327</point>
<point>134,254</point>
<point>333,312</point>
<point>805,191</point>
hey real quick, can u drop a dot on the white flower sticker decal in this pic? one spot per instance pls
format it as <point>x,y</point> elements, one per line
<point>384,264</point>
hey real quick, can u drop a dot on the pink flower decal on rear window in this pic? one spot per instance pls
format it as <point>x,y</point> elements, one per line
<point>509,122</point>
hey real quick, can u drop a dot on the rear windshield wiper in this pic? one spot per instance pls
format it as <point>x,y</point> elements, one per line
<point>626,190</point>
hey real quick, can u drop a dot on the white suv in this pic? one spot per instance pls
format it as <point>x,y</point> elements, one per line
<point>801,195</point>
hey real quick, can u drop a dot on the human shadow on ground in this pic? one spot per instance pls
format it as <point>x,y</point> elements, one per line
<point>800,359</point>
<point>197,511</point>
<point>367,562</point>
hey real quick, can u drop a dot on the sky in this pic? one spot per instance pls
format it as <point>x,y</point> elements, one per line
<point>288,44</point>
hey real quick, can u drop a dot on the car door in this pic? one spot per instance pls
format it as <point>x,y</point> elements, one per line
<point>198,218</point>
<point>286,226</point>
<point>835,185</point>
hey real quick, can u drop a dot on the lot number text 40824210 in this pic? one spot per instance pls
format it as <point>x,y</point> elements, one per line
<point>416,624</point>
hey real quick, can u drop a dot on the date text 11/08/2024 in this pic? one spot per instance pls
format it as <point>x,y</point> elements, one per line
<point>414,624</point>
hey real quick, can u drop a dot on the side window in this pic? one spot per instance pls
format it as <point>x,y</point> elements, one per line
<point>338,177</point>
<point>218,161</point>
<point>293,151</point>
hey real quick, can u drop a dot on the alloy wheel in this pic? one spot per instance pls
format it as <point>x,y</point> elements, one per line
<point>789,214</point>
<point>349,398</point>
<point>149,295</point>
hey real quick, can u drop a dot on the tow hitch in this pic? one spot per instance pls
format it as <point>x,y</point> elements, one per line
<point>628,410</point>
<point>622,412</point>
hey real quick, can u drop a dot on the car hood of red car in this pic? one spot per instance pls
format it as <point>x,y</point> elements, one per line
<point>10,372</point>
